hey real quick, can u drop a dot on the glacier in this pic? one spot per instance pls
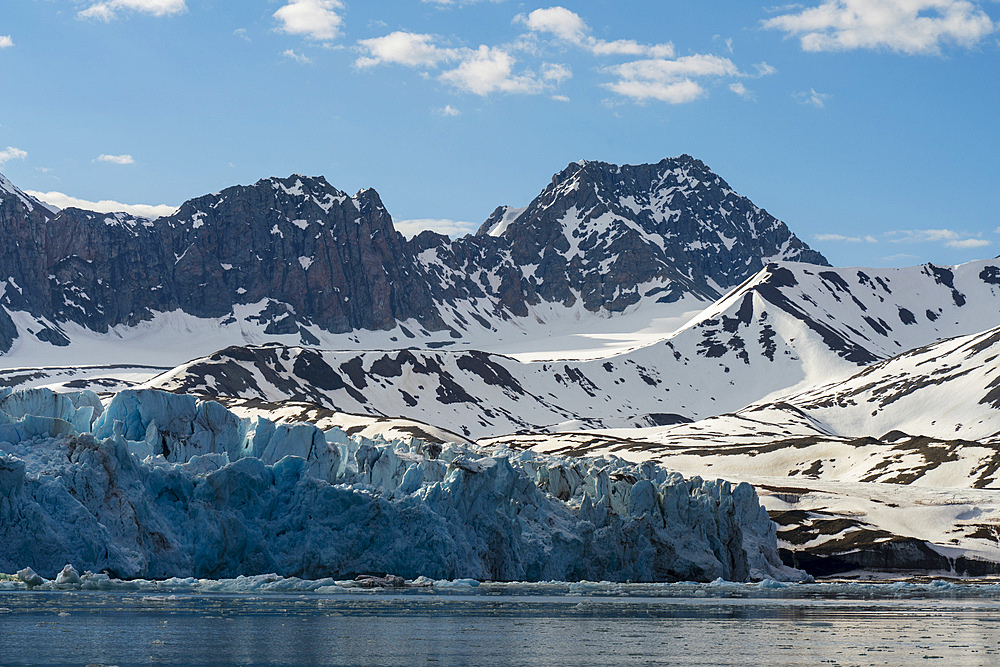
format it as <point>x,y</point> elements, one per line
<point>158,485</point>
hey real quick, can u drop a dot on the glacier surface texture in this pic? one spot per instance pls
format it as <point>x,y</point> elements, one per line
<point>162,485</point>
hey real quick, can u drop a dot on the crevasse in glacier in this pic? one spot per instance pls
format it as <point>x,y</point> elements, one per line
<point>159,485</point>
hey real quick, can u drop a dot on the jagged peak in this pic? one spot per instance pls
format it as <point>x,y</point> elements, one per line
<point>300,185</point>
<point>368,199</point>
<point>6,186</point>
<point>647,175</point>
<point>122,219</point>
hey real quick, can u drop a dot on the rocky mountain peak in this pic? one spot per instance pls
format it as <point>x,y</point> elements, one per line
<point>370,203</point>
<point>610,234</point>
<point>15,196</point>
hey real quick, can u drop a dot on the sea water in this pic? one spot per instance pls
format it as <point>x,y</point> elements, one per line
<point>510,624</point>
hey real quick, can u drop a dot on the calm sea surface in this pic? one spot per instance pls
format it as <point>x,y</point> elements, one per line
<point>508,625</point>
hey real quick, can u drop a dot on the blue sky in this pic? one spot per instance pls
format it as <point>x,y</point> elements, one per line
<point>870,127</point>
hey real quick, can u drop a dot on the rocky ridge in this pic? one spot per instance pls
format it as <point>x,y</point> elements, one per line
<point>296,255</point>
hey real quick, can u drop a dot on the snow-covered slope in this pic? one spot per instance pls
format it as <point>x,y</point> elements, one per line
<point>472,393</point>
<point>787,328</point>
<point>867,314</point>
<point>9,191</point>
<point>946,390</point>
<point>832,321</point>
<point>480,394</point>
<point>895,467</point>
<point>160,485</point>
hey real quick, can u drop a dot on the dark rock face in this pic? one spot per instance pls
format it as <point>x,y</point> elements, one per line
<point>309,252</point>
<point>603,232</point>
<point>306,253</point>
<point>335,260</point>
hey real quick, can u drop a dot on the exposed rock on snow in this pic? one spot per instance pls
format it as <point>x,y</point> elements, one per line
<point>896,467</point>
<point>788,328</point>
<point>169,486</point>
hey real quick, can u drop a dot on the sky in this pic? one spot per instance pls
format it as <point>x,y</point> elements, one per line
<point>869,126</point>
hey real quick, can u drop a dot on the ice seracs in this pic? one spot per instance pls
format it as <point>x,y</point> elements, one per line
<point>169,486</point>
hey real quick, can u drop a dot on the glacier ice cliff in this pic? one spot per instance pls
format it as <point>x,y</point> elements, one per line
<point>161,485</point>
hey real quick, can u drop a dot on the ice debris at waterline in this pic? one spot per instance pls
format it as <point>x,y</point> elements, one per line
<point>161,485</point>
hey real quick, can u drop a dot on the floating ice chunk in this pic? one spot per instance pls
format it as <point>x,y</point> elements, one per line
<point>29,577</point>
<point>456,583</point>
<point>584,587</point>
<point>68,576</point>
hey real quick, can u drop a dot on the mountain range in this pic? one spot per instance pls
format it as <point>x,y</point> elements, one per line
<point>642,311</point>
<point>297,257</point>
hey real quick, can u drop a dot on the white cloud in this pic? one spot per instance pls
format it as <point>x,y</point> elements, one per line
<point>678,92</point>
<point>455,3</point>
<point>300,58</point>
<point>448,111</point>
<point>997,230</point>
<point>488,70</point>
<point>949,237</point>
<point>741,90</point>
<point>315,19</point>
<point>763,69</point>
<point>559,21</point>
<point>812,98</point>
<point>904,26</point>
<point>922,235</point>
<point>845,239</point>
<point>670,81</point>
<point>479,71</point>
<point>453,228</point>
<point>6,42</point>
<point>560,98</point>
<point>968,243</point>
<point>11,153</point>
<point>115,159</point>
<point>569,27</point>
<point>109,10</point>
<point>656,74</point>
<point>556,73</point>
<point>900,257</point>
<point>61,200</point>
<point>242,34</point>
<point>404,48</point>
